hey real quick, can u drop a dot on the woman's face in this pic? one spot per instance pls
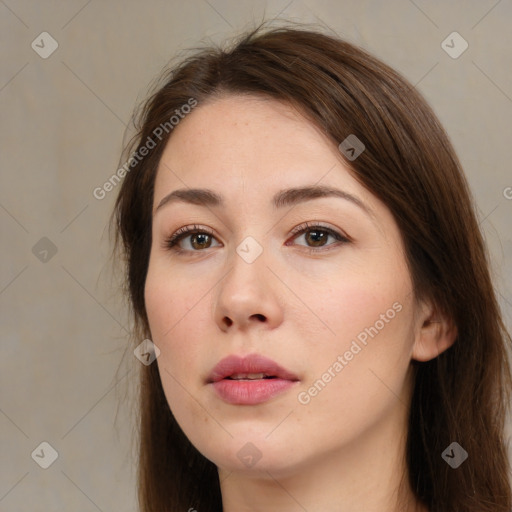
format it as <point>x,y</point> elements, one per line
<point>313,287</point>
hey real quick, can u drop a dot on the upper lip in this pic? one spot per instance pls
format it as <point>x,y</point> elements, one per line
<point>252,363</point>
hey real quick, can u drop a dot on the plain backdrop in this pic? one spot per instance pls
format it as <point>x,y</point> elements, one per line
<point>64,327</point>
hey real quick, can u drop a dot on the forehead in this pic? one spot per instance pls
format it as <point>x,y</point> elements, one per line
<point>249,141</point>
<point>245,115</point>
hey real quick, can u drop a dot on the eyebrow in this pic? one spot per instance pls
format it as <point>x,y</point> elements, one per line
<point>286,197</point>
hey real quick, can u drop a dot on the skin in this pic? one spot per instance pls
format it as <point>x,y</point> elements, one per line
<point>345,447</point>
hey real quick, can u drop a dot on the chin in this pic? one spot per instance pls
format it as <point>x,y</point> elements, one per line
<point>253,454</point>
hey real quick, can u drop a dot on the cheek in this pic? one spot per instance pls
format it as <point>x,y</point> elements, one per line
<point>366,349</point>
<point>169,296</point>
<point>357,302</point>
<point>177,318</point>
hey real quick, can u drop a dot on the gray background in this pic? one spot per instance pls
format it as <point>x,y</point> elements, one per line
<point>63,377</point>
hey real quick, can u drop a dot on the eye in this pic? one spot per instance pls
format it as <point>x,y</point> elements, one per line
<point>316,236</point>
<point>198,238</point>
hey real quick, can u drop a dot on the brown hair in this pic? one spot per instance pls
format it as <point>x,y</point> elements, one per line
<point>410,165</point>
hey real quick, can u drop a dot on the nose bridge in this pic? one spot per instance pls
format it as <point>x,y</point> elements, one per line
<point>245,294</point>
<point>246,277</point>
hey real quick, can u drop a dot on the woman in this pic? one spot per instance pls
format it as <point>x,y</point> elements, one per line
<point>302,250</point>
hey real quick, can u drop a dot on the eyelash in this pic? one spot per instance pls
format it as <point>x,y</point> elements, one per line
<point>172,241</point>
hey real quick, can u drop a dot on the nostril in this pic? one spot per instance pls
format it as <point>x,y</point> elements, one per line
<point>259,317</point>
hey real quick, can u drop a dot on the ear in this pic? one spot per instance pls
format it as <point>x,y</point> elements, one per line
<point>435,334</point>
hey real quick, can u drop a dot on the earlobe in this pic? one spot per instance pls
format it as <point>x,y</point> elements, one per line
<point>437,334</point>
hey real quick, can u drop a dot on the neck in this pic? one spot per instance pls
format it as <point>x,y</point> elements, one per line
<point>369,475</point>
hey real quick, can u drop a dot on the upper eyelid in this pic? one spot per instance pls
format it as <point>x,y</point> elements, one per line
<point>305,226</point>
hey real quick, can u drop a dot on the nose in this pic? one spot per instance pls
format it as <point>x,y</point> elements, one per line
<point>247,297</point>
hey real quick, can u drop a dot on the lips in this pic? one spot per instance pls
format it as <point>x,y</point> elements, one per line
<point>250,380</point>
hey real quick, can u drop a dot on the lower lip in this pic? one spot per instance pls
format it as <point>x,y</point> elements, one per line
<point>250,392</point>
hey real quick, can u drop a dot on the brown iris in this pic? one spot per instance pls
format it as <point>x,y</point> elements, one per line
<point>204,240</point>
<point>317,237</point>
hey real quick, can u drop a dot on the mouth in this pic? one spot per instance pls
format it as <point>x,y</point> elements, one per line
<point>250,380</point>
